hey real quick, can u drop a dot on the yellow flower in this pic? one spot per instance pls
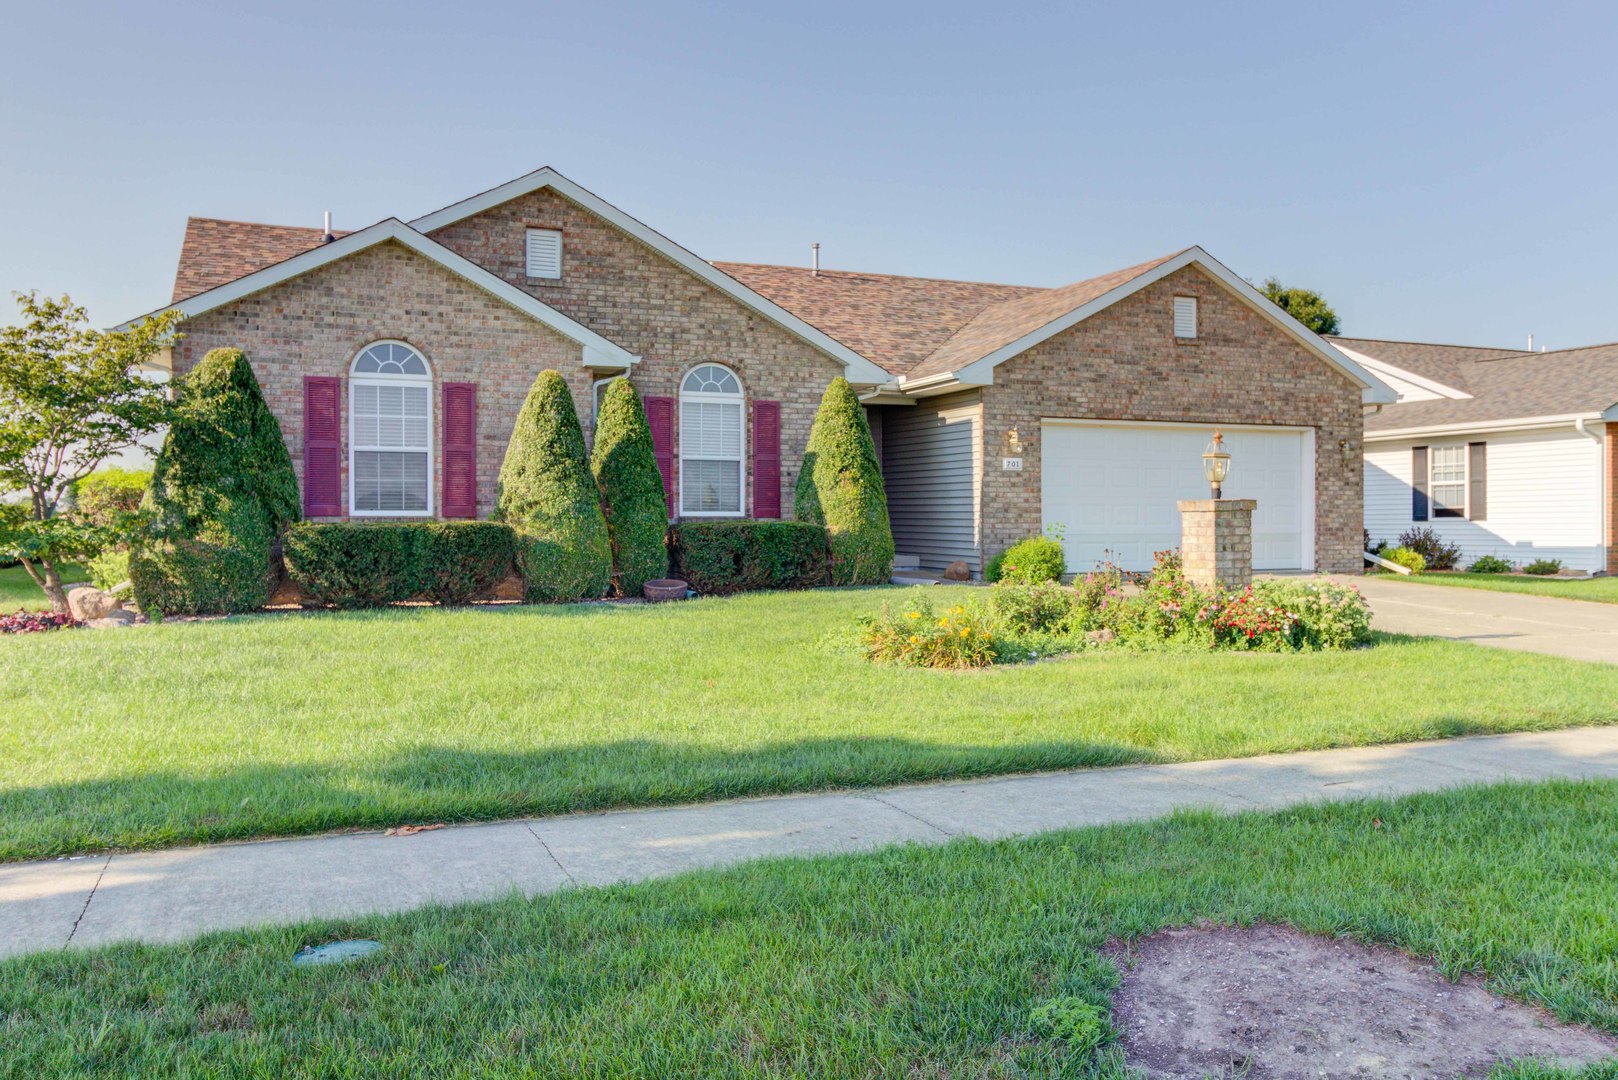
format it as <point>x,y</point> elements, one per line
<point>914,639</point>
<point>912,614</point>
<point>966,631</point>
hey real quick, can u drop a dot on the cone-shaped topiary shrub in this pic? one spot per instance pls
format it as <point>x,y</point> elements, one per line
<point>547,494</point>
<point>840,487</point>
<point>625,468</point>
<point>221,494</point>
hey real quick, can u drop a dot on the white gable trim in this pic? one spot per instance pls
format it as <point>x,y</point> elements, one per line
<point>981,371</point>
<point>857,368</point>
<point>1382,367</point>
<point>597,350</point>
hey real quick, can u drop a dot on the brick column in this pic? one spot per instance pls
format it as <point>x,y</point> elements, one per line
<point>1216,542</point>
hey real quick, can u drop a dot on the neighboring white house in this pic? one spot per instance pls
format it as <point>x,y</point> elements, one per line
<point>1504,452</point>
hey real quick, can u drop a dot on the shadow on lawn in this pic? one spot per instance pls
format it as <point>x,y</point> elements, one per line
<point>426,783</point>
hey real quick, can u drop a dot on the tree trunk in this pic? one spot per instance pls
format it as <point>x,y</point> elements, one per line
<point>50,582</point>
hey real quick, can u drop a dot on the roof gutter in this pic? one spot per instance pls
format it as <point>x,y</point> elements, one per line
<point>1521,423</point>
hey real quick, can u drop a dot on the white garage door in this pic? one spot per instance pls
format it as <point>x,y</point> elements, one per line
<point>1112,489</point>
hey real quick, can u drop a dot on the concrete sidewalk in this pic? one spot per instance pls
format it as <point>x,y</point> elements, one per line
<point>1577,629</point>
<point>173,895</point>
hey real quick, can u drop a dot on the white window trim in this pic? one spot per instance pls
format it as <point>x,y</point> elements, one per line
<point>374,379</point>
<point>737,399</point>
<point>529,233</point>
<point>1465,513</point>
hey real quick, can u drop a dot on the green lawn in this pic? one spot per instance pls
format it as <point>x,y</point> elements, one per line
<point>282,724</point>
<point>1603,590</point>
<point>17,589</point>
<point>922,962</point>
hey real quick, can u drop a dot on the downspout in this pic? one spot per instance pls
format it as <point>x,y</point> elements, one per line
<point>1578,425</point>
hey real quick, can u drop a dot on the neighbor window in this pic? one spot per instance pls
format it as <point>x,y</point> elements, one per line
<point>390,432</point>
<point>1448,481</point>
<point>544,253</point>
<point>711,418</point>
<point>1185,316</point>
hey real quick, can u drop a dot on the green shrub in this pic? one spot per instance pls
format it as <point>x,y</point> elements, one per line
<point>1083,1026</point>
<point>1411,560</point>
<point>735,556</point>
<point>1326,615</point>
<point>1427,543</point>
<point>547,494</point>
<point>1042,607</point>
<point>107,495</point>
<point>347,565</point>
<point>961,637</point>
<point>1543,567</point>
<point>110,568</point>
<point>625,467</point>
<point>1038,558</point>
<point>1489,564</point>
<point>460,559</point>
<point>222,492</point>
<point>840,487</point>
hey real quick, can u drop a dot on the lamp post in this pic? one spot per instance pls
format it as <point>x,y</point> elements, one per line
<point>1216,464</point>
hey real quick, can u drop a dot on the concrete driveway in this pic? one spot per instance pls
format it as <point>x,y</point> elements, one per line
<point>1577,629</point>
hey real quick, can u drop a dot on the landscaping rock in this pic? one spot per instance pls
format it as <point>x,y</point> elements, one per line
<point>88,603</point>
<point>957,571</point>
<point>112,621</point>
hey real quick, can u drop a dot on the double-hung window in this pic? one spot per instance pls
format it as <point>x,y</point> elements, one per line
<point>1448,481</point>
<point>712,415</point>
<point>390,436</point>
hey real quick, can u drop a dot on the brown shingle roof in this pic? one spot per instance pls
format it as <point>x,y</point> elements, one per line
<point>893,321</point>
<point>217,251</point>
<point>1505,384</point>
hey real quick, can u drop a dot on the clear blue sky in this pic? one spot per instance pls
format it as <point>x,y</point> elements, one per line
<point>1440,171</point>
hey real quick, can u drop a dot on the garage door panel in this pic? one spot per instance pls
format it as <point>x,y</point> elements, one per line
<point>1112,489</point>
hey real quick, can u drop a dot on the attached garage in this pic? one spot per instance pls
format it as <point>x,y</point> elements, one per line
<point>1111,487</point>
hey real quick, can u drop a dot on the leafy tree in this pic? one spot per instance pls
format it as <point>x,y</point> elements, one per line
<point>547,493</point>
<point>1305,305</point>
<point>223,491</point>
<point>625,467</point>
<point>70,397</point>
<point>840,487</point>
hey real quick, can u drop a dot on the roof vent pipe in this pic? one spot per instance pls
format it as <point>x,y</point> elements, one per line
<point>327,236</point>
<point>814,258</point>
<point>1530,342</point>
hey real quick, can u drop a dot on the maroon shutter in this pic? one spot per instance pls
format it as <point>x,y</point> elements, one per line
<point>460,450</point>
<point>1418,484</point>
<point>660,418</point>
<point>322,446</point>
<point>766,459</point>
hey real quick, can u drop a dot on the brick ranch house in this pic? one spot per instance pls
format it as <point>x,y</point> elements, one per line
<point>396,358</point>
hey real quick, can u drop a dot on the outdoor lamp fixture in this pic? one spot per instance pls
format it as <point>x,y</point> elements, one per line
<point>1013,444</point>
<point>1216,464</point>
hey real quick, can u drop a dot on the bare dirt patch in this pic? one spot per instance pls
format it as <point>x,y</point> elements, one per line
<point>1271,1002</point>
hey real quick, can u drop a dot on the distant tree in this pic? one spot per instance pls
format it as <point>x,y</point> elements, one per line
<point>1305,305</point>
<point>70,397</point>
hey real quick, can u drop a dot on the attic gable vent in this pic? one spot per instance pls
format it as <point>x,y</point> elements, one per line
<point>1185,316</point>
<point>545,253</point>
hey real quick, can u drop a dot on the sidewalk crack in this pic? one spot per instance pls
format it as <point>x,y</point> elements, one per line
<point>549,852</point>
<point>87,900</point>
<point>906,813</point>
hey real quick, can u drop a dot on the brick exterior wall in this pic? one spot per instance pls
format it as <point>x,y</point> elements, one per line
<point>659,311</point>
<point>1125,364</point>
<point>315,323</point>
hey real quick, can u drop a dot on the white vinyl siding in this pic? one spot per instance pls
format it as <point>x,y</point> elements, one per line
<point>932,462</point>
<point>1544,497</point>
<point>1185,316</point>
<point>544,253</point>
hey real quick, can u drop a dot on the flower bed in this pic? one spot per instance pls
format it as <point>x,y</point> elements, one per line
<point>34,622</point>
<point>1101,610</point>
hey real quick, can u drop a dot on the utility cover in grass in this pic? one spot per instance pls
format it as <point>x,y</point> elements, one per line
<point>335,952</point>
<point>1273,1002</point>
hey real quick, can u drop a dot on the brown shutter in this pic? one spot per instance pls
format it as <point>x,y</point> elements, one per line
<point>660,418</point>
<point>460,450</point>
<point>322,446</point>
<point>1418,483</point>
<point>766,459</point>
<point>1477,481</point>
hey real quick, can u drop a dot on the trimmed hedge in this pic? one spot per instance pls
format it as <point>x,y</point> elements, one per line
<point>222,492</point>
<point>346,565</point>
<point>625,467</point>
<point>547,494</point>
<point>840,487</point>
<point>1035,558</point>
<point>736,556</point>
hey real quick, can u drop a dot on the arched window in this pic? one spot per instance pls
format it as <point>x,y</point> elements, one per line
<point>390,432</point>
<point>711,442</point>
